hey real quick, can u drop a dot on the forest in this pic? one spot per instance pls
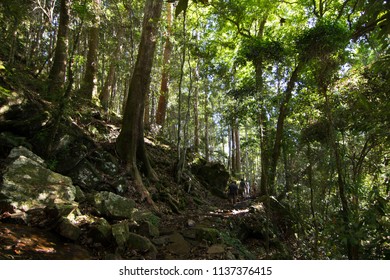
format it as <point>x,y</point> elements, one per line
<point>290,95</point>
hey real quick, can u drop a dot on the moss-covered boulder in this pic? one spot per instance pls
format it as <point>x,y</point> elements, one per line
<point>214,175</point>
<point>113,206</point>
<point>178,245</point>
<point>100,231</point>
<point>211,235</point>
<point>138,242</point>
<point>28,184</point>
<point>68,229</point>
<point>120,232</point>
<point>145,223</point>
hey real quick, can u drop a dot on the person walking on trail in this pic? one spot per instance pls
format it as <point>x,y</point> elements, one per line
<point>247,189</point>
<point>243,188</point>
<point>233,192</point>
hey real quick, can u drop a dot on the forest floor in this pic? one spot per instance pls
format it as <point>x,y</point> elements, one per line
<point>18,241</point>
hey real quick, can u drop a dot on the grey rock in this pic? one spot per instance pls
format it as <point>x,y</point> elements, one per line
<point>114,206</point>
<point>28,184</point>
<point>68,230</point>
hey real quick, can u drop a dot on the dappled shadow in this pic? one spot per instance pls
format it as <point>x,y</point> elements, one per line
<point>24,242</point>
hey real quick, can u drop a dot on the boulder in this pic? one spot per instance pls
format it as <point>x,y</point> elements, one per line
<point>68,229</point>
<point>210,235</point>
<point>148,229</point>
<point>23,151</point>
<point>127,240</point>
<point>97,170</point>
<point>121,233</point>
<point>100,231</point>
<point>148,223</point>
<point>113,206</point>
<point>86,175</point>
<point>50,216</point>
<point>178,245</point>
<point>214,175</point>
<point>138,242</point>
<point>28,184</point>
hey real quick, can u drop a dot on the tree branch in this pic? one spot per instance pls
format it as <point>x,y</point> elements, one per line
<point>370,26</point>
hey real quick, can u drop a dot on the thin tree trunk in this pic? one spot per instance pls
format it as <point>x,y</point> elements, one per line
<point>230,149</point>
<point>183,58</point>
<point>107,89</point>
<point>280,127</point>
<point>196,113</point>
<point>181,164</point>
<point>233,150</point>
<point>164,88</point>
<point>206,128</point>
<point>352,243</point>
<point>238,148</point>
<point>312,206</point>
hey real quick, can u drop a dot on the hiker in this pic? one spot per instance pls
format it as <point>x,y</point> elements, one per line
<point>242,188</point>
<point>254,189</point>
<point>233,192</point>
<point>247,189</point>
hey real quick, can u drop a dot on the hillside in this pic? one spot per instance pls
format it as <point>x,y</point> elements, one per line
<point>102,214</point>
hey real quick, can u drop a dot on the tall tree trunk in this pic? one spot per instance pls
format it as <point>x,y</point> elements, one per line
<point>206,127</point>
<point>312,202</point>
<point>280,127</point>
<point>181,164</point>
<point>130,142</point>
<point>57,73</point>
<point>107,89</point>
<point>88,85</point>
<point>233,150</point>
<point>105,94</point>
<point>230,150</point>
<point>352,242</point>
<point>164,88</point>
<point>238,148</point>
<point>263,128</point>
<point>180,97</point>
<point>196,112</point>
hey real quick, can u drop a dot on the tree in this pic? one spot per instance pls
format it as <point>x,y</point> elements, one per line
<point>164,89</point>
<point>130,142</point>
<point>56,80</point>
<point>88,84</point>
<point>108,85</point>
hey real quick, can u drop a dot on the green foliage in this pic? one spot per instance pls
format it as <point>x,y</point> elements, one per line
<point>322,40</point>
<point>5,93</point>
<point>264,50</point>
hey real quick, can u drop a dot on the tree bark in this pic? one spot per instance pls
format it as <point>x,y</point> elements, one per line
<point>130,142</point>
<point>56,80</point>
<point>352,241</point>
<point>105,94</point>
<point>283,111</point>
<point>238,148</point>
<point>206,126</point>
<point>196,113</point>
<point>164,89</point>
<point>88,85</point>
